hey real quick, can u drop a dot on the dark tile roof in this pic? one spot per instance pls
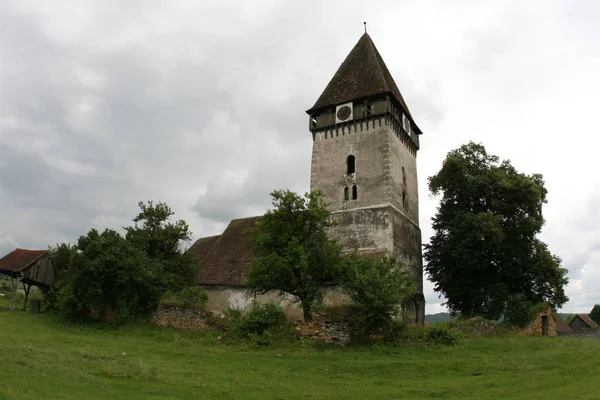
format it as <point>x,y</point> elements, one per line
<point>561,325</point>
<point>20,259</point>
<point>362,74</point>
<point>587,320</point>
<point>225,259</point>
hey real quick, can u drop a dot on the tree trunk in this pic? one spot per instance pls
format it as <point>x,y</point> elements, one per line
<point>306,311</point>
<point>15,287</point>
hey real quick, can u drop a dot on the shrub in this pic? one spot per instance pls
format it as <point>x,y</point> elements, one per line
<point>519,311</point>
<point>443,335</point>
<point>262,324</point>
<point>377,288</point>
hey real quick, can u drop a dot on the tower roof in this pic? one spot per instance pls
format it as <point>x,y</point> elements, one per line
<point>362,74</point>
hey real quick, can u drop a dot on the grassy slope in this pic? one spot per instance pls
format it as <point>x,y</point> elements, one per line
<point>42,358</point>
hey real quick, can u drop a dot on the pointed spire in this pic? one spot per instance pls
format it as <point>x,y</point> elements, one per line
<point>362,74</point>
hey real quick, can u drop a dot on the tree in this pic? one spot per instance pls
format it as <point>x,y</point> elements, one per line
<point>595,314</point>
<point>155,234</point>
<point>484,248</point>
<point>294,254</point>
<point>378,287</point>
<point>109,279</point>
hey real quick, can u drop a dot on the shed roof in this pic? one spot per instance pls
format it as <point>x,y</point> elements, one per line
<point>362,74</point>
<point>20,259</point>
<point>225,259</point>
<point>587,320</point>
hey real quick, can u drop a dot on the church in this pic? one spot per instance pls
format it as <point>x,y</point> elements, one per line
<point>364,161</point>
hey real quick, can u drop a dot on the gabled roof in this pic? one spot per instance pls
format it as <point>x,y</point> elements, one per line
<point>362,74</point>
<point>587,320</point>
<point>225,259</point>
<point>20,259</point>
<point>561,325</point>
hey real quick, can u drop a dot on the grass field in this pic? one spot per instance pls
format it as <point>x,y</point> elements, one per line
<point>42,358</point>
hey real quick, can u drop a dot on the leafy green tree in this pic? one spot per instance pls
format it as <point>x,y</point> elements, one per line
<point>377,287</point>
<point>294,254</point>
<point>161,239</point>
<point>484,248</point>
<point>109,279</point>
<point>595,314</point>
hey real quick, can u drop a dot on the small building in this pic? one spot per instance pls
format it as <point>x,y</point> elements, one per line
<point>30,267</point>
<point>543,323</point>
<point>582,321</point>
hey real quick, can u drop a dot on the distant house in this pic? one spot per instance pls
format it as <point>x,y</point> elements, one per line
<point>582,321</point>
<point>29,267</point>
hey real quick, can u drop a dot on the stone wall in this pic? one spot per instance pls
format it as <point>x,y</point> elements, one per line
<point>324,329</point>
<point>194,319</point>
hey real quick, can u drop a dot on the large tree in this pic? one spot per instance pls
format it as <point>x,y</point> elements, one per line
<point>485,249</point>
<point>293,253</point>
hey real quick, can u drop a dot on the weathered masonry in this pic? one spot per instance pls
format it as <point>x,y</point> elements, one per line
<point>365,145</point>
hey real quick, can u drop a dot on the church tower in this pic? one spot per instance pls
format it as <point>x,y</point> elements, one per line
<point>365,145</point>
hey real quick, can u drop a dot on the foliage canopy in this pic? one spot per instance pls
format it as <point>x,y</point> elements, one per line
<point>595,314</point>
<point>484,248</point>
<point>111,277</point>
<point>294,253</point>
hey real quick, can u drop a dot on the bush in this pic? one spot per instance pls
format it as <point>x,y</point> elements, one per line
<point>443,335</point>
<point>519,311</point>
<point>377,288</point>
<point>262,324</point>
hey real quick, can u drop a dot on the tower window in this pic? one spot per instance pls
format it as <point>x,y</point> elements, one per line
<point>403,176</point>
<point>354,192</point>
<point>346,194</point>
<point>405,200</point>
<point>350,165</point>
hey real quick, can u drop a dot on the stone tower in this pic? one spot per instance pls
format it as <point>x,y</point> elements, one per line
<point>365,145</point>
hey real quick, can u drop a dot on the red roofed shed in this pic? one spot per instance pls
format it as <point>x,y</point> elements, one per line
<point>32,267</point>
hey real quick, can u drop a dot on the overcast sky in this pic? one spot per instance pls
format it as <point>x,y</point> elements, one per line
<point>202,105</point>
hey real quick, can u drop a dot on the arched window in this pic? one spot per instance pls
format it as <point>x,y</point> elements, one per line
<point>403,176</point>
<point>350,165</point>
<point>346,194</point>
<point>354,192</point>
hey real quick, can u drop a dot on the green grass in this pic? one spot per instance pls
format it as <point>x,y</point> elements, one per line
<point>42,358</point>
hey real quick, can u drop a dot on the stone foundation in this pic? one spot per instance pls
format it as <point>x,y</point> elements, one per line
<point>325,330</point>
<point>193,319</point>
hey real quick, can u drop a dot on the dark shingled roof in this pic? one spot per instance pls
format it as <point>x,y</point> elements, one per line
<point>362,74</point>
<point>225,259</point>
<point>20,259</point>
<point>588,321</point>
<point>561,325</point>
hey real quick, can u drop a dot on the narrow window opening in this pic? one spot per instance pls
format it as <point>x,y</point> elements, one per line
<point>404,200</point>
<point>403,176</point>
<point>346,194</point>
<point>354,192</point>
<point>350,165</point>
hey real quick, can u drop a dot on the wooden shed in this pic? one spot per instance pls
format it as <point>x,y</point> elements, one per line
<point>30,267</point>
<point>582,321</point>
